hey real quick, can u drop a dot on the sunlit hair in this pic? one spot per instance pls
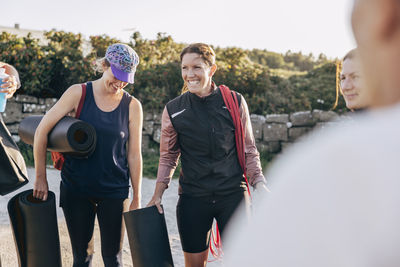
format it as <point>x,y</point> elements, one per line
<point>339,64</point>
<point>99,65</point>
<point>184,89</point>
<point>206,53</point>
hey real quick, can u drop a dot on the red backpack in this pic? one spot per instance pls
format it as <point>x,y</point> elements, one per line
<point>57,157</point>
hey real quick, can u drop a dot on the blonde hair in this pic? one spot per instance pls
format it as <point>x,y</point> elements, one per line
<point>206,53</point>
<point>184,88</point>
<point>99,65</point>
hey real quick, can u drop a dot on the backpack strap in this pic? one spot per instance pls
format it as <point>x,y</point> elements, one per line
<point>57,157</point>
<point>81,101</point>
<point>232,103</point>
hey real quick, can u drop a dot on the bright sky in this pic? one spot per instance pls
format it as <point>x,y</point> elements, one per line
<point>317,26</point>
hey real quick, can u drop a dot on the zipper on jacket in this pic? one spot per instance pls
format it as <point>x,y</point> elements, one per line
<point>212,141</point>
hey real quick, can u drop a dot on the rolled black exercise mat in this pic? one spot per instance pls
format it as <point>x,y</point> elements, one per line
<point>34,225</point>
<point>70,136</point>
<point>148,238</point>
<point>13,172</point>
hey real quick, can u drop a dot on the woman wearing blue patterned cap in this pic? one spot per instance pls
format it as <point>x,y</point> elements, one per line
<point>98,185</point>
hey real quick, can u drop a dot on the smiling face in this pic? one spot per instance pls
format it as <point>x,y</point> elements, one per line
<point>112,84</point>
<point>197,74</point>
<point>351,84</point>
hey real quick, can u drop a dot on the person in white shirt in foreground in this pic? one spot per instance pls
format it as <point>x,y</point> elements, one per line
<point>335,197</point>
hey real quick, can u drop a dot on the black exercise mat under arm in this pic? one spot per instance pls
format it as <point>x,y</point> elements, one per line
<point>70,136</point>
<point>148,238</point>
<point>34,225</point>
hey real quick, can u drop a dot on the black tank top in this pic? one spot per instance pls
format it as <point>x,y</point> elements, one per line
<point>105,174</point>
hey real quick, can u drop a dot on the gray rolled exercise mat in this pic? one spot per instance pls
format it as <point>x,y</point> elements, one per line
<point>148,238</point>
<point>70,136</point>
<point>35,230</point>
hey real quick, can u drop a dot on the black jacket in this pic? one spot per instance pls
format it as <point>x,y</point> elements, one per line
<point>206,136</point>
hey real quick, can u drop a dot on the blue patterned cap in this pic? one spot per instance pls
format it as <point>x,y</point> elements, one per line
<point>123,60</point>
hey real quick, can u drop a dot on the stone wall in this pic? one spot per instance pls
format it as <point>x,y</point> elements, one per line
<point>23,106</point>
<point>272,132</point>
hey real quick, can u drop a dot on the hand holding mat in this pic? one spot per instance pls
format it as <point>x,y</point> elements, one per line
<point>34,225</point>
<point>70,136</point>
<point>148,238</point>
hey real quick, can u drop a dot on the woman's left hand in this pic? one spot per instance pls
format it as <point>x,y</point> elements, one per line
<point>9,86</point>
<point>261,187</point>
<point>259,193</point>
<point>135,204</point>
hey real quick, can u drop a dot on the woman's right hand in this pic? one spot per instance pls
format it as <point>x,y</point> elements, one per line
<point>40,188</point>
<point>156,200</point>
<point>157,196</point>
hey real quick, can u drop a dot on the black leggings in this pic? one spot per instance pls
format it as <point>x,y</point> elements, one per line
<point>79,213</point>
<point>195,216</point>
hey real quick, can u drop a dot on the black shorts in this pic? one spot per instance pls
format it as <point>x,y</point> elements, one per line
<point>195,216</point>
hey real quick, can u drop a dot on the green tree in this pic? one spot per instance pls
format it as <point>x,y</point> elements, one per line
<point>65,58</point>
<point>29,58</point>
<point>318,86</point>
<point>100,43</point>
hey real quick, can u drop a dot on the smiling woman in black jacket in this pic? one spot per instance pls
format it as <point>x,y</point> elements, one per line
<point>197,126</point>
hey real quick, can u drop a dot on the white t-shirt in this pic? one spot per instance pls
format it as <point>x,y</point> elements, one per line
<point>335,201</point>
